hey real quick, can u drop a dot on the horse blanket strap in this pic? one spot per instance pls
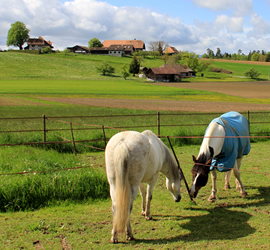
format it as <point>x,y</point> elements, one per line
<point>234,124</point>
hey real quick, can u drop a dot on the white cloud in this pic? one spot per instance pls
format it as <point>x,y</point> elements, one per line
<point>260,28</point>
<point>80,20</point>
<point>77,21</point>
<point>239,7</point>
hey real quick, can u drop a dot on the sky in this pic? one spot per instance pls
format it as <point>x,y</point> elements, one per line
<point>187,25</point>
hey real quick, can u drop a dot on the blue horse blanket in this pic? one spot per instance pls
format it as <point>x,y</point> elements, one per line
<point>234,124</point>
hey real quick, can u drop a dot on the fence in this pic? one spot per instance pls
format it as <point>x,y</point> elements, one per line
<point>161,123</point>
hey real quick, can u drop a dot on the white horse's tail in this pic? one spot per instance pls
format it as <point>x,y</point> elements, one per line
<point>122,190</point>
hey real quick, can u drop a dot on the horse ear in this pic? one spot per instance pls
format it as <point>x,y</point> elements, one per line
<point>194,158</point>
<point>208,163</point>
<point>211,152</point>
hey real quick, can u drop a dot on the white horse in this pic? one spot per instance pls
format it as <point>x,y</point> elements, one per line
<point>225,142</point>
<point>132,159</point>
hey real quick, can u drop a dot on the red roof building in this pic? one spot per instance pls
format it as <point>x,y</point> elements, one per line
<point>38,43</point>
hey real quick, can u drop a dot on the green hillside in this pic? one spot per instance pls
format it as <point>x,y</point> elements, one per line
<point>61,66</point>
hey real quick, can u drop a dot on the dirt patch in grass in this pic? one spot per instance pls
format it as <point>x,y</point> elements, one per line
<point>237,61</point>
<point>164,105</point>
<point>260,90</point>
<point>13,101</point>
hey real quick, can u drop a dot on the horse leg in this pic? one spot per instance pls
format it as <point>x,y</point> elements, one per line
<point>129,232</point>
<point>227,180</point>
<point>114,238</point>
<point>143,195</point>
<point>239,184</point>
<point>212,197</point>
<point>150,188</point>
<point>134,193</point>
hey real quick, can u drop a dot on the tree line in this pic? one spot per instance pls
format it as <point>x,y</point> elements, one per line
<point>253,55</point>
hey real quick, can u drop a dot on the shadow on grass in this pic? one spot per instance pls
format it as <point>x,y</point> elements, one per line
<point>218,224</point>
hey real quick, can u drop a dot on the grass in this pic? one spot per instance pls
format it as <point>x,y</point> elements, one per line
<point>51,179</point>
<point>60,209</point>
<point>232,222</point>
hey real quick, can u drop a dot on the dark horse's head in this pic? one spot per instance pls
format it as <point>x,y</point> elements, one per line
<point>200,171</point>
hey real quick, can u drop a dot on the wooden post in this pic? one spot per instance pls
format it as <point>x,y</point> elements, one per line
<point>44,129</point>
<point>248,115</point>
<point>104,136</point>
<point>158,124</point>
<point>74,146</point>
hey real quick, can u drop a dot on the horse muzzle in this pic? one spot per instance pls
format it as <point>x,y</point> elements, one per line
<point>178,198</point>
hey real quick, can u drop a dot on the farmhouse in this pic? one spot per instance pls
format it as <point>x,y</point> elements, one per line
<point>163,74</point>
<point>38,44</point>
<point>79,49</point>
<point>169,73</point>
<point>171,51</point>
<point>113,50</point>
<point>137,44</point>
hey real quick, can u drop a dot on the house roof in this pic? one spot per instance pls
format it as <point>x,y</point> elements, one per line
<point>115,47</point>
<point>180,68</point>
<point>79,46</point>
<point>171,50</point>
<point>165,71</point>
<point>138,44</point>
<point>39,41</point>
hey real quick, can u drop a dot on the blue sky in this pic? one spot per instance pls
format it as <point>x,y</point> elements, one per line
<point>192,25</point>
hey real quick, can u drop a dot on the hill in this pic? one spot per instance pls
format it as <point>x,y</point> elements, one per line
<point>61,66</point>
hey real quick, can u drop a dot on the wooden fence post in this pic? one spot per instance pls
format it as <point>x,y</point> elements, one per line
<point>74,146</point>
<point>104,135</point>
<point>158,124</point>
<point>248,115</point>
<point>44,129</point>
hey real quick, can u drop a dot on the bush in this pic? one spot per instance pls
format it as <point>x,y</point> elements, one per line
<point>252,73</point>
<point>105,69</point>
<point>46,50</point>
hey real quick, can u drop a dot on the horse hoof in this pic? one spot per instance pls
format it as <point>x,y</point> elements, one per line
<point>148,217</point>
<point>244,194</point>
<point>130,237</point>
<point>227,187</point>
<point>143,213</point>
<point>114,241</point>
<point>211,199</point>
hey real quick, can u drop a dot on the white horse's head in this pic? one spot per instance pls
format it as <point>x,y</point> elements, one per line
<point>174,188</point>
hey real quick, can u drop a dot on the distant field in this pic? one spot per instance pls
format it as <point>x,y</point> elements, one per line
<point>60,79</point>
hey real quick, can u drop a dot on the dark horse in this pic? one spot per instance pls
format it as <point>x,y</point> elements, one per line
<point>225,142</point>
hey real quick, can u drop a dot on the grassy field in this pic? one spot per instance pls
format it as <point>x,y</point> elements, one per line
<point>230,223</point>
<point>60,209</point>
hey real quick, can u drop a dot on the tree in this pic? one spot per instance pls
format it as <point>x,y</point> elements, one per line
<point>255,56</point>
<point>94,42</point>
<point>125,73</point>
<point>158,46</point>
<point>191,60</point>
<point>218,54</point>
<point>105,69</point>
<point>134,66</point>
<point>18,34</point>
<point>252,73</point>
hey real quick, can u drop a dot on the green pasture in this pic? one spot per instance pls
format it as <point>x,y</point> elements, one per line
<point>231,222</point>
<point>61,66</point>
<point>52,199</point>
